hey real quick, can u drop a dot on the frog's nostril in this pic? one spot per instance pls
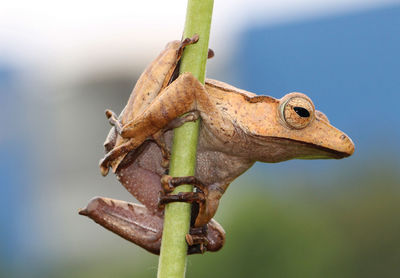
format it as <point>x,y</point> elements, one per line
<point>344,145</point>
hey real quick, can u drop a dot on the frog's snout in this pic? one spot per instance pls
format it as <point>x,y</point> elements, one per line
<point>347,145</point>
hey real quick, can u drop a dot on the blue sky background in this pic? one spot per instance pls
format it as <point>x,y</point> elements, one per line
<point>348,64</point>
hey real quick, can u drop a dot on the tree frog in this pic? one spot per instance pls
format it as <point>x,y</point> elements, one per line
<point>237,129</point>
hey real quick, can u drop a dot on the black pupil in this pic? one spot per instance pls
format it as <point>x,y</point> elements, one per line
<point>302,112</point>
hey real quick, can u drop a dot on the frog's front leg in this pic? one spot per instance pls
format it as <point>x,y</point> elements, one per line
<point>183,95</point>
<point>158,136</point>
<point>178,98</point>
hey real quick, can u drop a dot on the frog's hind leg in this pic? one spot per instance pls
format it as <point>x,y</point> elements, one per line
<point>130,221</point>
<point>154,79</point>
<point>178,98</point>
<point>137,224</point>
<point>197,239</point>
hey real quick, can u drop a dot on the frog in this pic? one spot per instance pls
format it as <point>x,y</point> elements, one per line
<point>237,128</point>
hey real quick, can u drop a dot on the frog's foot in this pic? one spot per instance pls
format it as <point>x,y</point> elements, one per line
<point>197,240</point>
<point>210,237</point>
<point>193,40</point>
<point>133,144</point>
<point>113,120</point>
<point>112,155</point>
<point>186,42</point>
<point>188,117</point>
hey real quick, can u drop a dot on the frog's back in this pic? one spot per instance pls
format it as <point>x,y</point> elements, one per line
<point>240,106</point>
<point>221,89</point>
<point>246,111</point>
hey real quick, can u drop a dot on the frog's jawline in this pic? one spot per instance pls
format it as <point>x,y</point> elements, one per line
<point>336,154</point>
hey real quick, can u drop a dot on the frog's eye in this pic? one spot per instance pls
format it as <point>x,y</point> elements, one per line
<point>297,110</point>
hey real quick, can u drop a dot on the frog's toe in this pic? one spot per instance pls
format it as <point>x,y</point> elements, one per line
<point>113,120</point>
<point>210,53</point>
<point>197,240</point>
<point>210,237</point>
<point>104,167</point>
<point>191,40</point>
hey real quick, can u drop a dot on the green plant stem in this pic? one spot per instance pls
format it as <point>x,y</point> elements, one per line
<point>172,262</point>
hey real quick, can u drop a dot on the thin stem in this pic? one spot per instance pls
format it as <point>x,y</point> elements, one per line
<point>172,262</point>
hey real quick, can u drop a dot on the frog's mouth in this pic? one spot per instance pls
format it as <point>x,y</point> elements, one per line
<point>330,153</point>
<point>276,149</point>
<point>313,151</point>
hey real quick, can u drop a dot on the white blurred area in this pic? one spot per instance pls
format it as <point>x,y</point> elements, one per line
<point>76,58</point>
<point>72,39</point>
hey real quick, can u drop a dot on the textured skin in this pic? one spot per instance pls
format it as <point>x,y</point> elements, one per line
<point>237,129</point>
<point>140,174</point>
<point>140,170</point>
<point>154,79</point>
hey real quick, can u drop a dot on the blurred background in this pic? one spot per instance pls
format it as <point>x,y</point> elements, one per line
<point>62,63</point>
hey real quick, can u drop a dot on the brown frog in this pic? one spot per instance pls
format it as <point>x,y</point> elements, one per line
<point>237,129</point>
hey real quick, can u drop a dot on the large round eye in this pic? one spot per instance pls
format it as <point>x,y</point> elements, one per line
<point>297,111</point>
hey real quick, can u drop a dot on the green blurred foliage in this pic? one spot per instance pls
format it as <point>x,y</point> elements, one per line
<point>312,233</point>
<point>348,227</point>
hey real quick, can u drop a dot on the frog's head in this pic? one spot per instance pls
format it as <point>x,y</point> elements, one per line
<point>300,131</point>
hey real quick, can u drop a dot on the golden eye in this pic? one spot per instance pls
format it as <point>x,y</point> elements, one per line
<point>297,110</point>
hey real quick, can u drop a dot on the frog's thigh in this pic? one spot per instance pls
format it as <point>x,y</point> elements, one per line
<point>130,221</point>
<point>178,98</point>
<point>185,94</point>
<point>141,177</point>
<point>155,78</point>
